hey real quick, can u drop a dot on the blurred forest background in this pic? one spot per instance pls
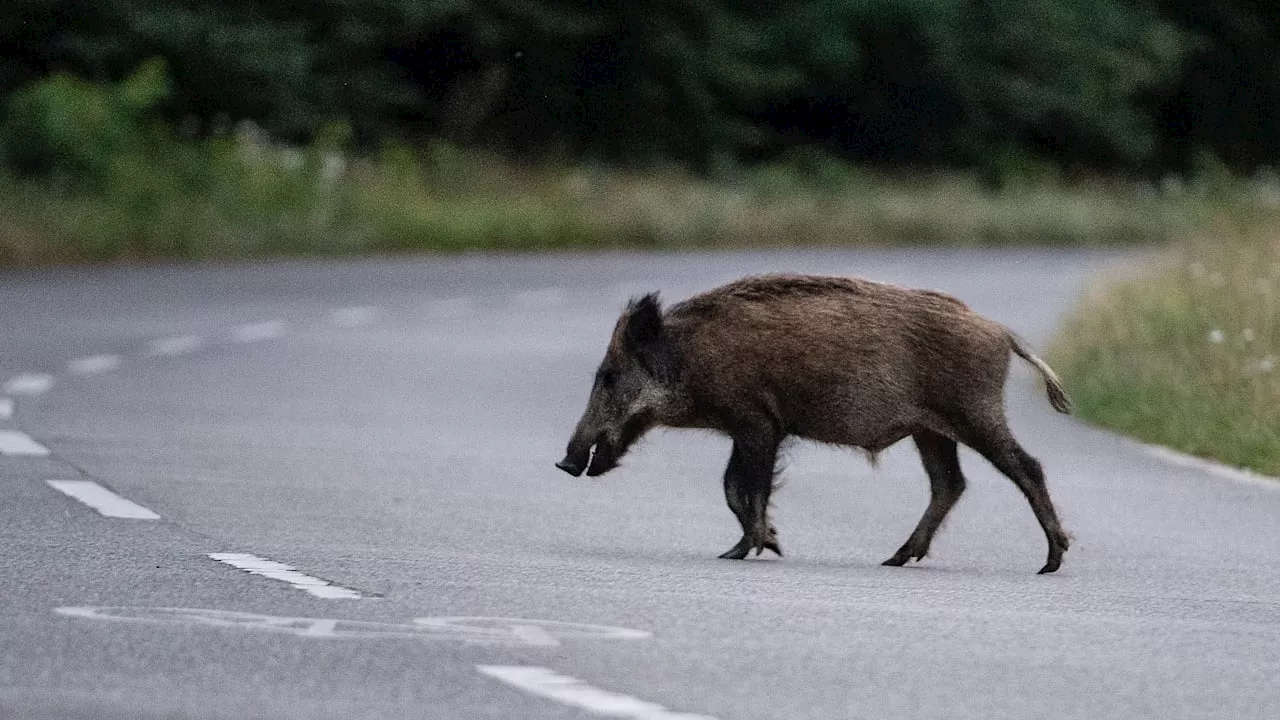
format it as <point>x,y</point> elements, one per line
<point>136,128</point>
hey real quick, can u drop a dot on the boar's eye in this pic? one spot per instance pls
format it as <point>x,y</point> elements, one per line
<point>608,379</point>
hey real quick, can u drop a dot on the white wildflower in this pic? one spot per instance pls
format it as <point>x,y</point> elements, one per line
<point>291,159</point>
<point>1216,336</point>
<point>1267,186</point>
<point>1267,364</point>
<point>1247,334</point>
<point>250,132</point>
<point>334,165</point>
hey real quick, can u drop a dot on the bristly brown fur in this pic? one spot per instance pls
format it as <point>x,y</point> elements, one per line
<point>837,360</point>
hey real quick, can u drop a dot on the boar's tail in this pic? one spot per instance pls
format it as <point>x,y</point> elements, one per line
<point>1057,395</point>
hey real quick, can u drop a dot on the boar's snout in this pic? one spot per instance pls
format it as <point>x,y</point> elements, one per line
<point>570,466</point>
<point>594,458</point>
<point>577,457</point>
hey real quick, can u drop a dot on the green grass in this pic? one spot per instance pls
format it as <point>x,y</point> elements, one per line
<point>1187,354</point>
<point>234,199</point>
<point>93,175</point>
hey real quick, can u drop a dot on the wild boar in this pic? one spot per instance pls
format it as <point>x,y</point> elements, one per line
<point>835,360</point>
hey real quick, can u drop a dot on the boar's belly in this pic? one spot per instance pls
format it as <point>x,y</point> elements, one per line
<point>866,427</point>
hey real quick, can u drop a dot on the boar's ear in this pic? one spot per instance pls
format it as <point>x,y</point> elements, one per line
<point>644,324</point>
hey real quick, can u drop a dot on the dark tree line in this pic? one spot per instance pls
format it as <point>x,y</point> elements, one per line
<point>1121,85</point>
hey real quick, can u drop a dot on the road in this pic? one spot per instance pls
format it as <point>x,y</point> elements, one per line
<point>333,459</point>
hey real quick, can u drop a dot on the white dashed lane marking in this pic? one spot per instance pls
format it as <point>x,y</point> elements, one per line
<point>255,332</point>
<point>354,316</point>
<point>93,364</point>
<point>573,692</point>
<point>107,503</point>
<point>255,565</point>
<point>28,384</point>
<point>20,444</point>
<point>6,408</point>
<point>176,345</point>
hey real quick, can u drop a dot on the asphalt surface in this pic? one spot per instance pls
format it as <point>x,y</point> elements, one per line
<point>406,453</point>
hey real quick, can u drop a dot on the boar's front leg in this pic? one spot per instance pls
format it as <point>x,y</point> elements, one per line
<point>748,481</point>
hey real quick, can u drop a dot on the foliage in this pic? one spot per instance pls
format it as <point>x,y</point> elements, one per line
<point>1008,86</point>
<point>94,176</point>
<point>1226,95</point>
<point>75,132</point>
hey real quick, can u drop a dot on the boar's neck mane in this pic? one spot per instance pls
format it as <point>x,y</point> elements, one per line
<point>774,288</point>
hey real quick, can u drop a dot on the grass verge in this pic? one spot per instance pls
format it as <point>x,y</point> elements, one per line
<point>1187,355</point>
<point>237,200</point>
<point>94,174</point>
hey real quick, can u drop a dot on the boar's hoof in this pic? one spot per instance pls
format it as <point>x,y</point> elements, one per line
<point>739,551</point>
<point>770,542</point>
<point>900,558</point>
<point>1055,562</point>
<point>1055,554</point>
<point>770,545</point>
<point>747,544</point>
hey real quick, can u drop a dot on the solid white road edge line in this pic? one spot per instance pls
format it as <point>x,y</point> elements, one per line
<point>107,503</point>
<point>254,332</point>
<point>176,345</point>
<point>93,364</point>
<point>1173,457</point>
<point>6,408</point>
<point>354,316</point>
<point>573,692</point>
<point>20,444</point>
<point>255,565</point>
<point>28,384</point>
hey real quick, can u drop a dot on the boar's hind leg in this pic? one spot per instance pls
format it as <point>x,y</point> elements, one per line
<point>946,484</point>
<point>748,481</point>
<point>1007,455</point>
